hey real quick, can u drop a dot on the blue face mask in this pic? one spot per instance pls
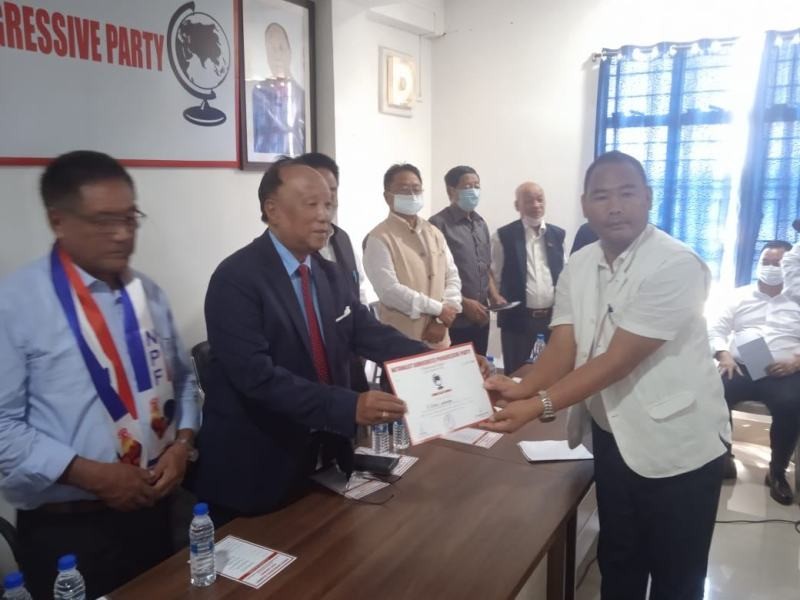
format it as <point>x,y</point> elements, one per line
<point>468,199</point>
<point>408,204</point>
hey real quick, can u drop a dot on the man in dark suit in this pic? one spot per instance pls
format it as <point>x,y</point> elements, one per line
<point>527,258</point>
<point>339,249</point>
<point>282,324</point>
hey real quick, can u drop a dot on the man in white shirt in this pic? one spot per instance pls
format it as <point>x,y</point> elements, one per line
<point>527,258</point>
<point>410,266</point>
<point>629,350</point>
<point>762,310</point>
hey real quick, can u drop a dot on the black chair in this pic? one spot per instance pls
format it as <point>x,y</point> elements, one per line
<point>201,359</point>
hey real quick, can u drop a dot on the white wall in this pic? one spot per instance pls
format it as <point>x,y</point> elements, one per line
<point>514,89</point>
<point>196,217</point>
<point>367,141</point>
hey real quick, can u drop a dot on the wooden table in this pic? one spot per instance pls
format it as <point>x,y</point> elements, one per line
<point>464,522</point>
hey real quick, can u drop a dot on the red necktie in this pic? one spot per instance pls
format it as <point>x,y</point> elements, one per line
<point>317,345</point>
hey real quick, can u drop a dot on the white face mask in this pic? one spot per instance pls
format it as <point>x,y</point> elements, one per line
<point>769,274</point>
<point>408,204</point>
<point>530,221</point>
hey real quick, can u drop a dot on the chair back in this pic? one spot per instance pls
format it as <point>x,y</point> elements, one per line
<point>201,360</point>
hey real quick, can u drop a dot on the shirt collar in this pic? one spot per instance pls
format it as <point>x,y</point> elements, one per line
<point>456,214</point>
<point>625,254</point>
<point>406,223</point>
<point>290,262</point>
<point>90,280</point>
<point>542,227</point>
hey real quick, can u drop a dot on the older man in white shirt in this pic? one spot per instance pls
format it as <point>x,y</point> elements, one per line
<point>527,258</point>
<point>629,350</point>
<point>410,266</point>
<point>763,310</point>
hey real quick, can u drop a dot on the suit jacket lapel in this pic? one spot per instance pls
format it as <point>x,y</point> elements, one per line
<point>555,261</point>
<point>522,252</point>
<point>285,291</point>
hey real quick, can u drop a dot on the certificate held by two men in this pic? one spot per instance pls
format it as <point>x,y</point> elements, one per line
<point>443,391</point>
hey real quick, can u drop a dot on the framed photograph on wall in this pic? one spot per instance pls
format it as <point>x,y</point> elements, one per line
<point>276,80</point>
<point>398,82</point>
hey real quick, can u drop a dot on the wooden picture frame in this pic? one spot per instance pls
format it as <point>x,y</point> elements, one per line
<point>398,83</point>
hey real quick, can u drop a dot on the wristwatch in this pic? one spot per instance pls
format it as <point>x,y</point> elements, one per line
<point>548,414</point>
<point>194,453</point>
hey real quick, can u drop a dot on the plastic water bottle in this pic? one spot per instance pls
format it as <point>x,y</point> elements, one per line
<point>69,584</point>
<point>381,444</point>
<point>400,439</point>
<point>492,366</point>
<point>538,348</point>
<point>14,586</point>
<point>201,547</point>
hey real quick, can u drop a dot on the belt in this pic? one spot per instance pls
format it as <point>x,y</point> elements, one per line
<point>78,507</point>
<point>540,313</point>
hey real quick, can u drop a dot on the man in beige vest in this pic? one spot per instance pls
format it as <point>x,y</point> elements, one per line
<point>410,266</point>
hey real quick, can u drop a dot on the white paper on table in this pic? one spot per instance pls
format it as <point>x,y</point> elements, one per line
<point>553,450</point>
<point>754,354</point>
<point>405,463</point>
<point>474,437</point>
<point>443,391</point>
<point>248,563</point>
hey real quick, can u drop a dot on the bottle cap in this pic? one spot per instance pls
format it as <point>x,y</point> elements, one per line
<point>67,562</point>
<point>13,581</point>
<point>200,509</point>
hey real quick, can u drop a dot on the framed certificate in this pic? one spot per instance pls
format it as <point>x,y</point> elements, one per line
<point>443,391</point>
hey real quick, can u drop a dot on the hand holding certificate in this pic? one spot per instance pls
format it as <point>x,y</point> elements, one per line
<point>443,391</point>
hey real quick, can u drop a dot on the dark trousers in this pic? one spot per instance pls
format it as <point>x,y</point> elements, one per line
<point>517,341</point>
<point>659,528</point>
<point>112,547</point>
<point>477,334</point>
<point>782,397</point>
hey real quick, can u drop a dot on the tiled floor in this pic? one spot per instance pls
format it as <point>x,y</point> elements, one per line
<point>747,562</point>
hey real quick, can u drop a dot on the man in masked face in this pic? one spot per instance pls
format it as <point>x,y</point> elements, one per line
<point>764,310</point>
<point>468,239</point>
<point>410,266</point>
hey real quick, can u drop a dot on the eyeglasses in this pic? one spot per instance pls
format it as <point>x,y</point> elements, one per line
<point>409,191</point>
<point>110,224</point>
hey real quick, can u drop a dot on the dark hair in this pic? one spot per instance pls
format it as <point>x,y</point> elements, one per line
<point>780,244</point>
<point>62,179</point>
<point>454,175</point>
<point>613,157</point>
<point>271,181</point>
<point>399,168</point>
<point>318,160</point>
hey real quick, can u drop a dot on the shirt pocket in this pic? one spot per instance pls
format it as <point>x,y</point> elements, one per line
<point>665,407</point>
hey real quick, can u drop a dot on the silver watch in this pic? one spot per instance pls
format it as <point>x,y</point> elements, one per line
<point>548,414</point>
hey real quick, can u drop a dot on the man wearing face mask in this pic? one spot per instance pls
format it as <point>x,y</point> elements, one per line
<point>410,266</point>
<point>468,239</point>
<point>527,258</point>
<point>764,310</point>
